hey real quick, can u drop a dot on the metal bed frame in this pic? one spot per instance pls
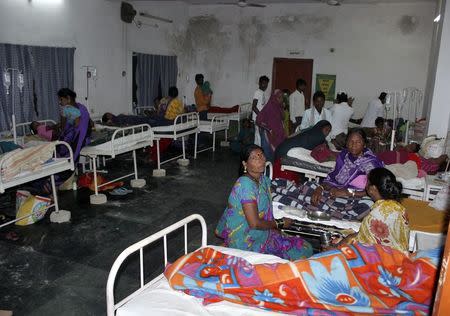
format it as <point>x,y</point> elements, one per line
<point>184,125</point>
<point>139,136</point>
<point>59,165</point>
<point>219,122</point>
<point>111,305</point>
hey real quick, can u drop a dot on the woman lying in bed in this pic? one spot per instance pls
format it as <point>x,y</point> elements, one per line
<point>248,223</point>
<point>342,194</point>
<point>410,152</point>
<point>308,139</point>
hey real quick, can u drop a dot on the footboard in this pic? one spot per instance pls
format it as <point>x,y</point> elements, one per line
<point>139,246</point>
<point>127,138</point>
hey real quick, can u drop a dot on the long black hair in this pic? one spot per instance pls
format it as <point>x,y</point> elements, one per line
<point>386,183</point>
<point>245,154</point>
<point>67,93</point>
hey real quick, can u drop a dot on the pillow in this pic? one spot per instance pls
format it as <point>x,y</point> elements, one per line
<point>434,148</point>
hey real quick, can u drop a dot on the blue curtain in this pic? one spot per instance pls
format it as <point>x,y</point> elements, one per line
<point>52,70</point>
<point>46,70</point>
<point>152,70</point>
<point>18,57</point>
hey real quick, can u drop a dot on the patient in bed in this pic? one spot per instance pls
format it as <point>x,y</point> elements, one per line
<point>49,133</point>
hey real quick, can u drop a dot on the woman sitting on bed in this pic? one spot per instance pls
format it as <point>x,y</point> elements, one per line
<point>248,223</point>
<point>342,193</point>
<point>308,139</point>
<point>387,222</point>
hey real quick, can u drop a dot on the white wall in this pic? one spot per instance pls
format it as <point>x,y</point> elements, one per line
<point>374,48</point>
<point>232,46</point>
<point>93,27</point>
<point>440,104</point>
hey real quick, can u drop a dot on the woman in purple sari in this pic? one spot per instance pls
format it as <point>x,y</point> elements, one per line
<point>270,122</point>
<point>75,123</point>
<point>342,194</point>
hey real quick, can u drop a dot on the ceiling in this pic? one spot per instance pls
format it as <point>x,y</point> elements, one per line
<point>292,1</point>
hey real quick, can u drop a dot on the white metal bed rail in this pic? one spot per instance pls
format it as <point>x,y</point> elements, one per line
<point>217,123</point>
<point>140,109</point>
<point>118,136</point>
<point>26,126</point>
<point>3,187</point>
<point>139,246</point>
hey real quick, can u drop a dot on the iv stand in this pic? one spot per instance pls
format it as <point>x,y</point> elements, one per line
<point>91,72</point>
<point>13,116</point>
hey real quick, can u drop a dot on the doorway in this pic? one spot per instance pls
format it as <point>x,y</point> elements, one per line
<point>286,71</point>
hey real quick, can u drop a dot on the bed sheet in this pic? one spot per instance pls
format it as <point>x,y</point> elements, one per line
<point>161,300</point>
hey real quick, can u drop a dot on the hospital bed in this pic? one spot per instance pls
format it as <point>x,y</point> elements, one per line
<point>217,123</point>
<point>123,140</point>
<point>300,160</point>
<point>157,298</point>
<point>184,125</point>
<point>25,136</point>
<point>418,240</point>
<point>27,174</point>
<point>244,111</point>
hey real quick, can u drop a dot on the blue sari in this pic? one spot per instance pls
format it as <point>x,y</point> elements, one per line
<point>233,227</point>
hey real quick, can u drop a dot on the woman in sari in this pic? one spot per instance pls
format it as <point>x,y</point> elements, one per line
<point>308,139</point>
<point>342,194</point>
<point>270,121</point>
<point>75,123</point>
<point>248,223</point>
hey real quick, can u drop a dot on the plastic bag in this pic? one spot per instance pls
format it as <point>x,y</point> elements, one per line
<point>442,200</point>
<point>35,207</point>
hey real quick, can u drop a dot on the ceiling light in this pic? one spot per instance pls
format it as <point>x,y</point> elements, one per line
<point>437,19</point>
<point>333,2</point>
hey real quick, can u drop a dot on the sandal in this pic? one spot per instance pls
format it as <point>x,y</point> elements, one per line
<point>120,191</point>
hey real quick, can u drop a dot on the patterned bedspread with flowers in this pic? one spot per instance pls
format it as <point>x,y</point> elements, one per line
<point>355,279</point>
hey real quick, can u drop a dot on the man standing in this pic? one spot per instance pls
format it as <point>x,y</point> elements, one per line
<point>316,113</point>
<point>297,103</point>
<point>341,113</point>
<point>201,103</point>
<point>374,110</point>
<point>259,100</point>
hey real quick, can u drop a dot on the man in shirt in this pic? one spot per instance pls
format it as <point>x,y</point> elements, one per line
<point>341,112</point>
<point>259,100</point>
<point>297,103</point>
<point>374,110</point>
<point>201,102</point>
<point>315,113</point>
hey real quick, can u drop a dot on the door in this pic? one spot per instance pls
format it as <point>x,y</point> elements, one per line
<point>286,71</point>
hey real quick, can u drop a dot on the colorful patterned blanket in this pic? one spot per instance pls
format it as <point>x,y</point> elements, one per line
<point>356,279</point>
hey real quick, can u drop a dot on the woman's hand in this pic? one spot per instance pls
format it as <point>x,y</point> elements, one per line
<point>315,198</point>
<point>335,192</point>
<point>287,222</point>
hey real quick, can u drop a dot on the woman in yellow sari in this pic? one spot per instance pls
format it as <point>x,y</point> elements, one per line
<point>387,222</point>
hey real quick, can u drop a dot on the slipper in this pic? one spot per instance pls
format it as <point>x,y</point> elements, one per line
<point>120,191</point>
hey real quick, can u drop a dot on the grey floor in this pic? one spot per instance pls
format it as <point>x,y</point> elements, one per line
<point>61,269</point>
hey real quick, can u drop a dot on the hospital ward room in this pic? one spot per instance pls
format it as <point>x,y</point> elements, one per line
<point>224,157</point>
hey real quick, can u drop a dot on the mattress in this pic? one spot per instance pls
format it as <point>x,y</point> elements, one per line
<point>305,155</point>
<point>121,144</point>
<point>161,300</point>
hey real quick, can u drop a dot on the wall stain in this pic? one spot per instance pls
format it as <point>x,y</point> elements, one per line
<point>408,24</point>
<point>252,34</point>
<point>305,24</point>
<point>202,42</point>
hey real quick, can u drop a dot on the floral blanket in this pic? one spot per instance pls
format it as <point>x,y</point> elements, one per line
<point>352,280</point>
